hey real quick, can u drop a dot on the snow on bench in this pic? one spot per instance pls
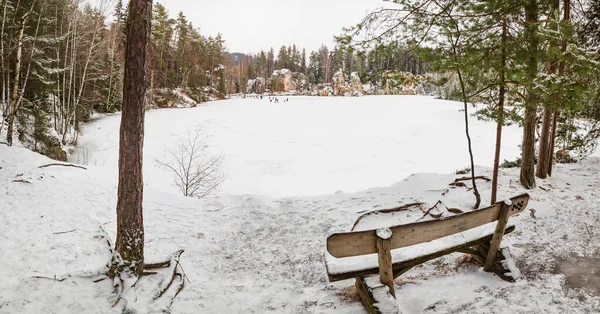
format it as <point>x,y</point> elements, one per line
<point>392,251</point>
<point>348,267</point>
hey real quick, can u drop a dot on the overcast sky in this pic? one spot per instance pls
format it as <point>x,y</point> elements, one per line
<point>252,25</point>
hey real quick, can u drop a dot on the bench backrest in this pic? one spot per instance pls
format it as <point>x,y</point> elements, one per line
<point>357,243</point>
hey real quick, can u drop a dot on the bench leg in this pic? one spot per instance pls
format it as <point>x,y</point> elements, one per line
<point>401,271</point>
<point>376,296</point>
<point>504,264</point>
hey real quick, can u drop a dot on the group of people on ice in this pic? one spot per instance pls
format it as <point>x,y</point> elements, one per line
<point>271,99</point>
<point>276,100</point>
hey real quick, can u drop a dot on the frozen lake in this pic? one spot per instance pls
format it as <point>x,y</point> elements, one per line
<point>310,145</point>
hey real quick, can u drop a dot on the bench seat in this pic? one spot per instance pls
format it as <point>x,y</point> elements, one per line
<point>406,257</point>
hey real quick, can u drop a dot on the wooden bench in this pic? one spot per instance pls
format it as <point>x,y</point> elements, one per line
<point>391,251</point>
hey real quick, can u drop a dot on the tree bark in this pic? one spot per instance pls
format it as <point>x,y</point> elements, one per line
<point>527,177</point>
<point>3,97</point>
<point>561,73</point>
<point>544,153</point>
<point>500,109</point>
<point>12,109</point>
<point>129,244</point>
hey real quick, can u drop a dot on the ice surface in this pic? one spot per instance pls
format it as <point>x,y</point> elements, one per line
<point>311,145</point>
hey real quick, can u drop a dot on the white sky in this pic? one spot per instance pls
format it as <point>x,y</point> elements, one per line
<point>252,25</point>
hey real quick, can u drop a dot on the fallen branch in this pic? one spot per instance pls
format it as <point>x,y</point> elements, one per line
<point>63,232</point>
<point>5,143</point>
<point>476,178</point>
<point>49,278</point>
<point>22,181</point>
<point>175,258</point>
<point>100,279</point>
<point>63,165</point>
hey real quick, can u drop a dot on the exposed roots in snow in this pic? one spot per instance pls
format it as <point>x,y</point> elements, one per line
<point>389,210</point>
<point>156,288</point>
<point>62,165</point>
<point>436,215</point>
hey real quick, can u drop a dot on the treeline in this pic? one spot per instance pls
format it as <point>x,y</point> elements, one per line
<point>59,61</point>
<point>320,65</point>
<point>533,62</point>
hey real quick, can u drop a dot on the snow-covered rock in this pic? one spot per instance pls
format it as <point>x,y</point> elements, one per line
<point>355,83</point>
<point>339,83</point>
<point>256,86</point>
<point>286,81</point>
<point>402,83</point>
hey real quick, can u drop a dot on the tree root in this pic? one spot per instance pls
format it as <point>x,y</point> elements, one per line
<point>389,210</point>
<point>429,211</point>
<point>134,291</point>
<point>176,274</point>
<point>63,165</point>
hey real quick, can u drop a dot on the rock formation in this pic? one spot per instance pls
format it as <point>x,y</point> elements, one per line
<point>287,82</point>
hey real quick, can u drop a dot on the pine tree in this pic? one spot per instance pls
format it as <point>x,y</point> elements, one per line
<point>303,62</point>
<point>527,177</point>
<point>129,245</point>
<point>282,58</point>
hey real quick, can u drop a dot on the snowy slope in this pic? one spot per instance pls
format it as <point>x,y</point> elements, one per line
<point>263,254</point>
<point>251,254</point>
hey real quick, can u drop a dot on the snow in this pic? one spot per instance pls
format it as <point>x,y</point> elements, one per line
<point>384,301</point>
<point>263,254</point>
<point>311,145</point>
<point>363,262</point>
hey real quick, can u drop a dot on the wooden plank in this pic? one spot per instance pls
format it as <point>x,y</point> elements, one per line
<point>497,267</point>
<point>399,272</point>
<point>365,295</point>
<point>348,244</point>
<point>384,258</point>
<point>498,234</point>
<point>369,294</point>
<point>398,267</point>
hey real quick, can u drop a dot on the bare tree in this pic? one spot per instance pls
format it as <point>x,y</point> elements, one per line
<point>196,173</point>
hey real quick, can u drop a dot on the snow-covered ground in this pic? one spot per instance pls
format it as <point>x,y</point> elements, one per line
<point>263,254</point>
<point>310,145</point>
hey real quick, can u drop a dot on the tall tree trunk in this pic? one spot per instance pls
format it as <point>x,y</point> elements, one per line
<point>12,109</point>
<point>561,73</point>
<point>528,148</point>
<point>129,244</point>
<point>545,152</point>
<point>500,110</point>
<point>3,70</point>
